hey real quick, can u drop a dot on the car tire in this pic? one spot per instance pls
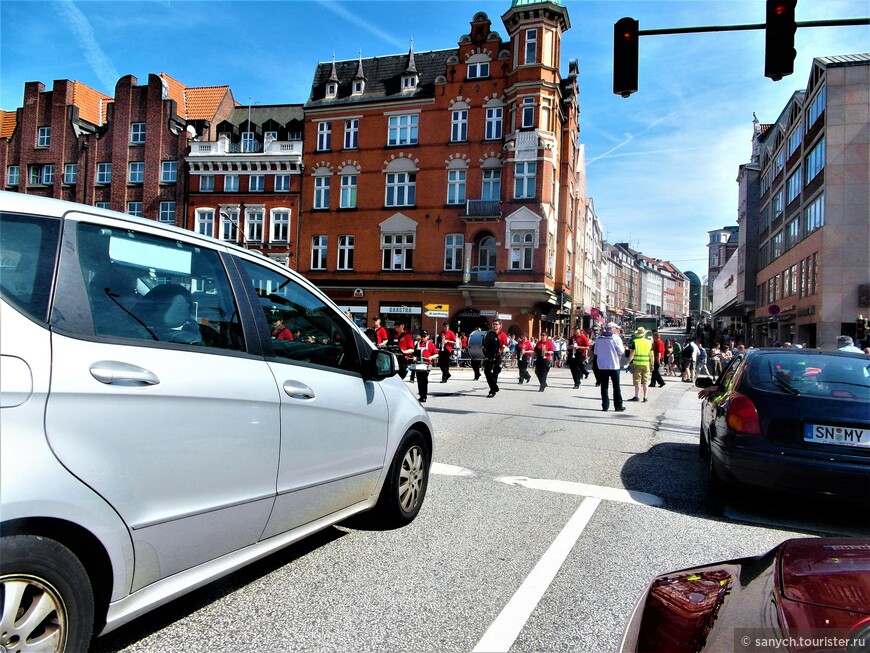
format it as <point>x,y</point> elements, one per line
<point>405,487</point>
<point>35,570</point>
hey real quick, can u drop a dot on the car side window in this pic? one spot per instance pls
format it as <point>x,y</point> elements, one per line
<point>146,287</point>
<point>303,327</point>
<point>28,253</point>
<point>729,376</point>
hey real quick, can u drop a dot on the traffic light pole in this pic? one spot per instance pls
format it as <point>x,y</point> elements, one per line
<point>743,28</point>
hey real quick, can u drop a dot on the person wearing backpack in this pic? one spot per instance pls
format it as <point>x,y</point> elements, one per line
<point>495,343</point>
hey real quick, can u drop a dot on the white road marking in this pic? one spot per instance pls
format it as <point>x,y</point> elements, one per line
<point>450,470</point>
<point>582,489</point>
<point>502,633</point>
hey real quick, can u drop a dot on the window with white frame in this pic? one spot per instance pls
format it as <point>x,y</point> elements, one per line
<point>102,205</point>
<point>401,189</point>
<point>348,191</point>
<point>282,183</point>
<point>254,219</point>
<point>206,183</point>
<point>270,136</point>
<point>43,136</point>
<point>453,244</point>
<point>815,160</point>
<point>331,90</point>
<point>167,212</point>
<point>318,252</point>
<point>42,174</point>
<point>249,142</point>
<point>345,252</point>
<point>409,82</point>
<point>321,192</point>
<point>230,224</point>
<point>231,183</point>
<point>351,134</point>
<point>294,136</point>
<point>324,136</point>
<point>70,173</point>
<point>256,183</point>
<point>137,133</point>
<point>793,185</point>
<point>134,208</point>
<point>403,129</point>
<point>459,125</point>
<point>814,215</point>
<point>398,251</point>
<point>205,222</point>
<point>168,172</point>
<point>493,123</point>
<point>531,46</point>
<point>280,225</point>
<point>13,174</point>
<point>478,70</point>
<point>817,107</point>
<point>491,189</point>
<point>104,173</point>
<point>524,182</point>
<point>522,250</point>
<point>456,186</point>
<point>528,112</point>
<point>135,172</point>
<point>359,86</point>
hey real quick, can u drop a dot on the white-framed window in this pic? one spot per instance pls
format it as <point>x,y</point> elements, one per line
<point>777,204</point>
<point>43,136</point>
<point>348,191</point>
<point>522,250</point>
<point>331,90</point>
<point>714,258</point>
<point>205,222</point>
<point>321,192</point>
<point>13,174</point>
<point>403,129</point>
<point>794,141</point>
<point>456,186</point>
<point>267,136</point>
<point>41,174</point>
<point>280,226</point>
<point>231,183</point>
<point>294,136</point>
<point>254,219</point>
<point>459,125</point>
<point>168,172</point>
<point>478,70</point>
<point>793,185</point>
<point>491,189</point>
<point>102,205</point>
<point>137,133</point>
<point>206,183</point>
<point>167,212</point>
<point>70,173</point>
<point>351,134</point>
<point>318,252</point>
<point>104,173</point>
<point>230,224</point>
<point>814,215</point>
<point>453,252</point>
<point>134,208</point>
<point>493,124</point>
<point>815,162</point>
<point>324,136</point>
<point>249,142</point>
<point>282,183</point>
<point>401,189</point>
<point>398,251</point>
<point>524,183</point>
<point>256,183</point>
<point>409,82</point>
<point>817,107</point>
<point>531,46</point>
<point>359,86</point>
<point>135,172</point>
<point>528,112</point>
<point>345,252</point>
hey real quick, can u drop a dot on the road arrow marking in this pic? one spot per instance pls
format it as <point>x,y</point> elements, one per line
<point>450,470</point>
<point>582,489</point>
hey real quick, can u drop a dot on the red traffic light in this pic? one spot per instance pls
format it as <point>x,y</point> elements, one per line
<point>625,56</point>
<point>779,52</point>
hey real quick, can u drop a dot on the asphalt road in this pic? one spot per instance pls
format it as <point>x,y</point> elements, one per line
<point>544,521</point>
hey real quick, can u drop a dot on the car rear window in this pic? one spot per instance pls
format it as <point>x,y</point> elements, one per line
<point>818,374</point>
<point>28,255</point>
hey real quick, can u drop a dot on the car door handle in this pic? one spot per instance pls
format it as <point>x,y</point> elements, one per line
<point>298,390</point>
<point>117,373</point>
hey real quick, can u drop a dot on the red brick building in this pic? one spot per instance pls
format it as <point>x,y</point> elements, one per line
<point>449,178</point>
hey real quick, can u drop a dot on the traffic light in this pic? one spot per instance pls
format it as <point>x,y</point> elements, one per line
<point>625,52</point>
<point>779,52</point>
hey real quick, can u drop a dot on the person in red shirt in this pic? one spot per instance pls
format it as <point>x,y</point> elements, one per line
<point>404,343</point>
<point>543,359</point>
<point>428,353</point>
<point>381,335</point>
<point>524,351</point>
<point>446,344</point>
<point>658,351</point>
<point>281,332</point>
<point>578,347</point>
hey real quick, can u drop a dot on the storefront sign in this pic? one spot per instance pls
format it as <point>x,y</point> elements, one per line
<point>406,310</point>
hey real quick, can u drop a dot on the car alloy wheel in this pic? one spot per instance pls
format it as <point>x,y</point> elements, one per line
<point>412,478</point>
<point>405,486</point>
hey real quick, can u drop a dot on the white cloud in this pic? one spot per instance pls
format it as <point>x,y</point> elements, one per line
<point>87,40</point>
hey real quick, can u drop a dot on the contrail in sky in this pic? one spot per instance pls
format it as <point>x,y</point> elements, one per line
<point>339,10</point>
<point>94,54</point>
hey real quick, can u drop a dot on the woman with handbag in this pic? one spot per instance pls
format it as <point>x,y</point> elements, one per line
<point>544,351</point>
<point>428,353</point>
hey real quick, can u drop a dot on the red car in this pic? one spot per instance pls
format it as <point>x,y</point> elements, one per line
<point>805,595</point>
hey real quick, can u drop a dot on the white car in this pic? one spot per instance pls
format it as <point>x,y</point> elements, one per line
<point>161,428</point>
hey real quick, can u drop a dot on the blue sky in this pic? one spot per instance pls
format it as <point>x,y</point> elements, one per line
<point>661,165</point>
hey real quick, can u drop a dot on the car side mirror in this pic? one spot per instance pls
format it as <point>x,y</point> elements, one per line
<point>704,382</point>
<point>381,365</point>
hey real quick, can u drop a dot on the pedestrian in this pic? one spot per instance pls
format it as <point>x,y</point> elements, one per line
<point>688,355</point>
<point>495,343</point>
<point>381,335</point>
<point>427,355</point>
<point>402,344</point>
<point>716,359</point>
<point>658,353</point>
<point>678,358</point>
<point>545,352</point>
<point>845,343</point>
<point>608,354</point>
<point>701,365</point>
<point>280,331</point>
<point>445,351</point>
<point>524,351</point>
<point>578,348</point>
<point>640,363</point>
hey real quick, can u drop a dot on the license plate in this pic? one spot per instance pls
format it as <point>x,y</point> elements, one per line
<point>842,435</point>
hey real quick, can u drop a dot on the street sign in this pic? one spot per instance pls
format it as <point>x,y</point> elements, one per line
<point>437,307</point>
<point>505,316</point>
<point>437,314</point>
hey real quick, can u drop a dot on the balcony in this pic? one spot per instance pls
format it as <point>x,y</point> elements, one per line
<point>223,146</point>
<point>482,210</point>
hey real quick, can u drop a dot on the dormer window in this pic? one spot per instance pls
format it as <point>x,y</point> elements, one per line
<point>331,90</point>
<point>478,70</point>
<point>409,82</point>
<point>358,87</point>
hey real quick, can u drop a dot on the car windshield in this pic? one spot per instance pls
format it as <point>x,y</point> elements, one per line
<point>819,374</point>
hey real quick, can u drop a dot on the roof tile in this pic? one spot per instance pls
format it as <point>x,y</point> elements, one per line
<point>8,120</point>
<point>92,104</point>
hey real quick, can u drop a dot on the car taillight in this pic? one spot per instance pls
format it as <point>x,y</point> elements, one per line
<point>742,417</point>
